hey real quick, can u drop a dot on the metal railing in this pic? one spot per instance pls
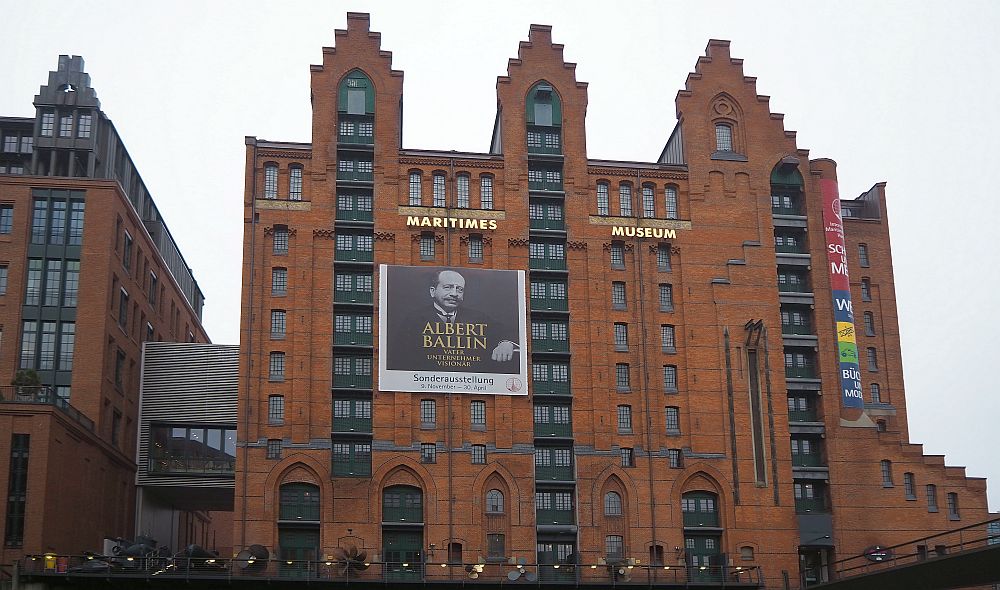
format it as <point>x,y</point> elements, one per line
<point>549,304</point>
<point>43,395</point>
<point>553,429</point>
<point>601,572</point>
<point>973,536</point>
<point>803,415</point>
<point>552,387</point>
<point>191,465</point>
<point>352,424</point>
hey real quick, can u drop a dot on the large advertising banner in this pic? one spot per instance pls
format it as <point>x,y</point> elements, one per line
<point>452,329</point>
<point>840,284</point>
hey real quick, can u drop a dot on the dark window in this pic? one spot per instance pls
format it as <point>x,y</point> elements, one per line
<point>71,287</point>
<point>475,248</point>
<point>428,413</point>
<point>67,343</point>
<point>872,359</point>
<point>494,502</point>
<point>17,490</point>
<point>6,218</point>
<point>675,458</point>
<point>648,202</point>
<point>116,427</point>
<point>439,192</point>
<point>486,192</point>
<point>428,453</point>
<point>876,393</point>
<point>478,413</point>
<point>618,295</point>
<point>621,337</point>
<point>275,409</point>
<point>663,258</point>
<point>153,285</point>
<point>673,419</point>
<point>276,366</point>
<point>83,129</point>
<point>495,545</point>
<point>274,448</point>
<point>614,546</point>
<point>932,505</point>
<point>427,246</point>
<point>48,123</point>
<point>612,504</point>
<point>863,255</point>
<point>280,240</point>
<point>279,281</point>
<point>671,201</point>
<point>478,454</point>
<point>3,279</point>
<point>127,252</point>
<point>352,459</point>
<point>123,308</point>
<point>866,290</point>
<point>869,323</point>
<point>120,369</point>
<point>414,189</point>
<point>625,199</point>
<point>886,473</point>
<point>278,323</point>
<point>625,419</point>
<point>668,339</point>
<point>909,486</point>
<point>670,378</point>
<point>666,297</point>
<point>299,501</point>
<point>953,513</point>
<point>53,283</point>
<point>462,190</point>
<point>622,377</point>
<point>617,255</point>
<point>627,457</point>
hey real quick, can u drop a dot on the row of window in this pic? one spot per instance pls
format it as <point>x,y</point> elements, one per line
<point>803,364</point>
<point>910,490</point>
<point>647,200</point>
<point>82,124</point>
<point>13,144</point>
<point>294,181</point>
<point>57,222</point>
<point>47,346</point>
<point>439,191</point>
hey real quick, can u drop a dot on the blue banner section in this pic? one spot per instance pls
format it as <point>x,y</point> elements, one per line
<point>850,385</point>
<point>850,372</point>
<point>843,311</point>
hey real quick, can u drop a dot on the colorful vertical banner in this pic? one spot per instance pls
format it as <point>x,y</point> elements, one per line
<point>840,285</point>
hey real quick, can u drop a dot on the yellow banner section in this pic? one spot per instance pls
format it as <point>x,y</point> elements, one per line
<point>845,332</point>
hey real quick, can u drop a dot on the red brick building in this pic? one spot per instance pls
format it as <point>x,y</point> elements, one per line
<point>683,356</point>
<point>88,272</point>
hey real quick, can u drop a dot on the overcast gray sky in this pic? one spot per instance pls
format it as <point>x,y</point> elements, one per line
<point>904,92</point>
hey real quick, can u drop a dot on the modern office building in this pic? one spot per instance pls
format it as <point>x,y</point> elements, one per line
<point>693,395</point>
<point>88,273</point>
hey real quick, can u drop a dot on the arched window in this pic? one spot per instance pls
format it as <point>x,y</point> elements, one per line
<point>625,199</point>
<point>462,190</point>
<point>494,501</point>
<point>543,114</point>
<point>486,191</point>
<point>723,137</point>
<point>648,201</point>
<point>612,504</point>
<point>295,182</point>
<point>670,196</point>
<point>356,95</point>
<point>602,198</point>
<point>270,180</point>
<point>439,189</point>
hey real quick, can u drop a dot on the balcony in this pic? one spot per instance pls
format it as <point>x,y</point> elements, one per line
<point>547,264</point>
<point>166,463</point>
<point>352,338</point>
<point>352,424</point>
<point>810,505</point>
<point>554,473</point>
<point>797,330</point>
<point>549,223</point>
<point>551,516</point>
<point>545,185</point>
<point>549,304</point>
<point>796,249</point>
<point>554,429</point>
<point>803,415</point>
<point>800,372</point>
<point>808,460</point>
<point>793,284</point>
<point>354,214</point>
<point>353,381</point>
<point>701,519</point>
<point>401,514</point>
<point>353,255</point>
<point>549,345</point>
<point>549,387</point>
<point>352,468</point>
<point>355,175</point>
<point>43,395</point>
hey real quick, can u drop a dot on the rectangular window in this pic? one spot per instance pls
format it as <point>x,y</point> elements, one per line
<point>675,459</point>
<point>277,323</point>
<point>116,427</point>
<point>427,246</point>
<point>53,283</point>
<point>886,473</point>
<point>876,393</point>
<point>27,144</point>
<point>76,223</point>
<point>33,286</point>
<point>622,377</point>
<point>275,409</point>
<point>71,288</point>
<point>67,343</point>
<point>617,255</point>
<point>462,188</point>
<point>628,459</point>
<point>127,252</point>
<point>670,378</point>
<point>295,183</point>
<point>120,369</point>
<point>618,295</point>
<point>47,348</point>
<point>123,309</point>
<point>279,281</point>
<point>909,487</point>
<point>614,546</point>
<point>863,255</point>
<point>723,138</point>
<point>663,258</point>
<point>869,323</point>
<point>6,218</point>
<point>3,279</point>
<point>428,453</point>
<point>479,454</point>
<point>271,181</point>
<point>668,340</point>
<point>872,359</point>
<point>57,223</point>
<point>83,129</point>
<point>280,241</point>
<point>274,448</point>
<point>495,546</point>
<point>621,337</point>
<point>478,413</point>
<point>48,123</point>
<point>670,196</point>
<point>673,418</point>
<point>625,419</point>
<point>486,192</point>
<point>866,290</point>
<point>666,297</point>
<point>602,198</point>
<point>66,126</point>
<point>39,217</point>
<point>475,248</point>
<point>648,202</point>
<point>439,194</point>
<point>17,490</point>
<point>428,413</point>
<point>276,366</point>
<point>625,200</point>
<point>932,505</point>
<point>414,189</point>
<point>953,513</point>
<point>29,344</point>
<point>10,144</point>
